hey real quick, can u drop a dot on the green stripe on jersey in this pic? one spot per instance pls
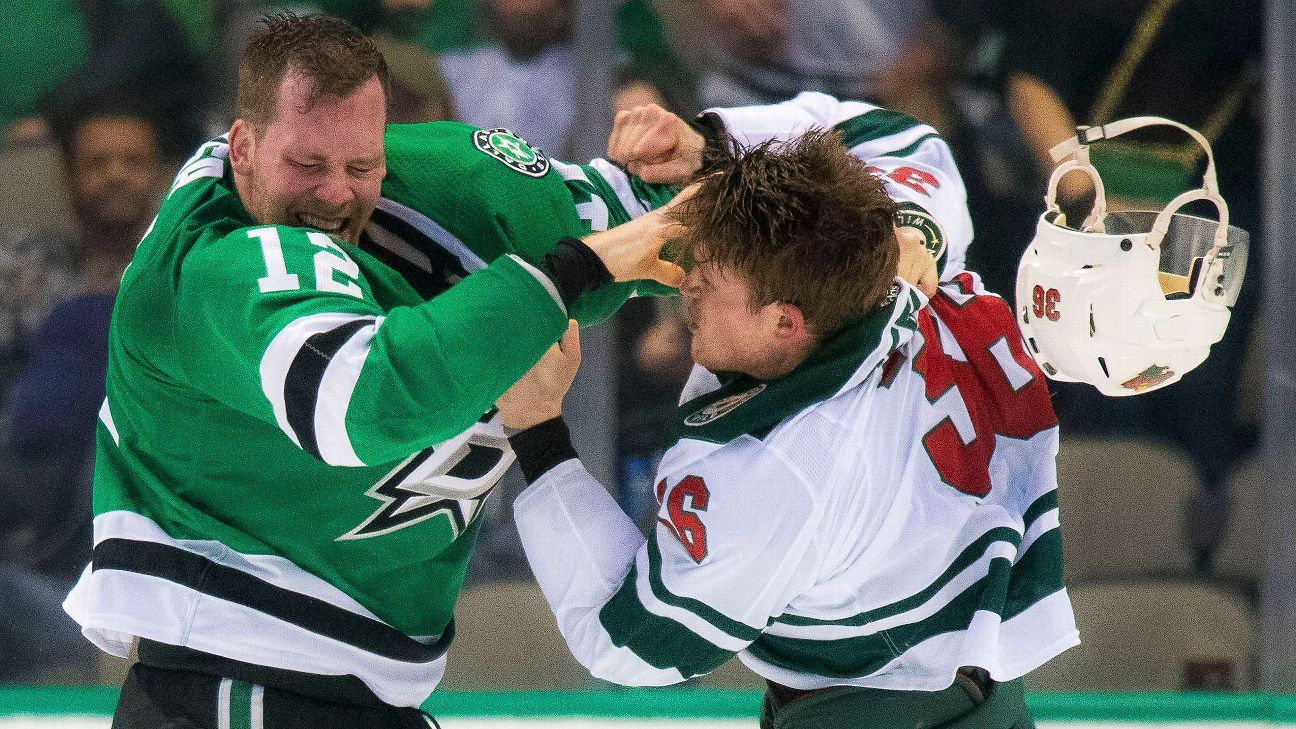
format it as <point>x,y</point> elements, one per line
<point>1043,504</point>
<point>240,705</point>
<point>1037,574</point>
<point>723,623</point>
<point>660,642</point>
<point>873,125</point>
<point>906,151</point>
<point>862,655</point>
<point>970,554</point>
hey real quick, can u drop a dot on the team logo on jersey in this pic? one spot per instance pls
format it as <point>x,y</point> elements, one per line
<point>512,150</point>
<point>722,407</point>
<point>909,215</point>
<point>1150,377</point>
<point>453,478</point>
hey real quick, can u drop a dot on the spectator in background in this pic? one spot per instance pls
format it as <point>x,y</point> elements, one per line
<point>56,55</point>
<point>653,363</point>
<point>523,78</point>
<point>418,90</point>
<point>763,51</point>
<point>1194,61</point>
<point>112,154</point>
<point>515,67</point>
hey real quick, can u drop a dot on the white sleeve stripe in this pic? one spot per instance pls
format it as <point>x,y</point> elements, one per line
<point>281,354</point>
<point>950,590</point>
<point>335,391</point>
<point>620,183</point>
<point>1046,522</point>
<point>434,230</point>
<point>543,279</point>
<point>106,416</point>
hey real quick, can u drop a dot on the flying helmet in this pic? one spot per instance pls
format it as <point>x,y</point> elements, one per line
<point>1127,301</point>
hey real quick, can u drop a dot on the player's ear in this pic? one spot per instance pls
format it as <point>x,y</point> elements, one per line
<point>792,323</point>
<point>242,146</point>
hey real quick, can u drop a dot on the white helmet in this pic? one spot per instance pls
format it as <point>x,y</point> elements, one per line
<point>1129,302</point>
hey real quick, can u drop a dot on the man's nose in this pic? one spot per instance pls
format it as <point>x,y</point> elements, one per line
<point>335,191</point>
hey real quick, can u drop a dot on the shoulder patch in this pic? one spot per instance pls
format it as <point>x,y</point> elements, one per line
<point>512,150</point>
<point>720,408</point>
<point>909,215</point>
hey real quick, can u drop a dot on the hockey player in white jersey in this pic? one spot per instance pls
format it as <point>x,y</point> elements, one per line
<point>860,502</point>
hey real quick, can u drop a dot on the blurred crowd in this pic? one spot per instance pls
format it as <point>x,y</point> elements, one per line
<point>104,98</point>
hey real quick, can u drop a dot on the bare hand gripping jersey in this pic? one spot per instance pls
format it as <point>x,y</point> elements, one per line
<point>881,516</point>
<point>293,450</point>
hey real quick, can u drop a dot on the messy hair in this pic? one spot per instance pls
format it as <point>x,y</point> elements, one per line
<point>331,52</point>
<point>804,222</point>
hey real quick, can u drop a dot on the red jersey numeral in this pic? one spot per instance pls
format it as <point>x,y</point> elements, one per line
<point>989,386</point>
<point>1045,303</point>
<point>684,522</point>
<point>917,180</point>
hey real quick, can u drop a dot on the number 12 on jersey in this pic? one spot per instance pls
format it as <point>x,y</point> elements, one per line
<point>331,259</point>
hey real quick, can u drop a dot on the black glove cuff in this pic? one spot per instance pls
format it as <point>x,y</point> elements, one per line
<point>718,146</point>
<point>574,269</point>
<point>541,447</point>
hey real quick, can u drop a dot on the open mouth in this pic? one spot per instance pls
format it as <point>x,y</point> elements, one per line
<point>329,225</point>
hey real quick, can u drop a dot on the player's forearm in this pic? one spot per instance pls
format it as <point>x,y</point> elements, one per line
<point>580,546</point>
<point>579,542</point>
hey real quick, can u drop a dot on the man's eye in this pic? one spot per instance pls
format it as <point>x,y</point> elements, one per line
<point>305,165</point>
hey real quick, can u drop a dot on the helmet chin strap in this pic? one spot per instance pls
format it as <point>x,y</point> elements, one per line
<point>1078,147</point>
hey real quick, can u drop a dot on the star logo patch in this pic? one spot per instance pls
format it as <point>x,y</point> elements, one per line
<point>512,150</point>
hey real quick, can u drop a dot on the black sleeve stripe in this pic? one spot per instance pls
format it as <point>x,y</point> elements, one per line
<point>306,374</point>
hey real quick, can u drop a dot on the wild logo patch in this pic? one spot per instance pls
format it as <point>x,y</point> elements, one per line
<point>722,407</point>
<point>512,150</point>
<point>909,215</point>
<point>1150,377</point>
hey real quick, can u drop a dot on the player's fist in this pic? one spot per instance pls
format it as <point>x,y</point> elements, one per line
<point>655,144</point>
<point>916,264</point>
<point>538,396</point>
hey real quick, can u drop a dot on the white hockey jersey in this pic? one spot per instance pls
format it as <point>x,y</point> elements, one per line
<point>881,516</point>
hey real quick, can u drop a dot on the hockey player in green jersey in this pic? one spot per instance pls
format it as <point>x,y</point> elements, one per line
<point>303,358</point>
<point>860,502</point>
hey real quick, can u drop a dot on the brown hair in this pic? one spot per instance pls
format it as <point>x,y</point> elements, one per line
<point>334,54</point>
<point>804,222</point>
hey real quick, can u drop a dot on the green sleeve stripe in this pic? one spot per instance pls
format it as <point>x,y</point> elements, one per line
<point>721,622</point>
<point>873,125</point>
<point>906,151</point>
<point>658,641</point>
<point>863,655</point>
<point>1042,505</point>
<point>1037,574</point>
<point>969,555</point>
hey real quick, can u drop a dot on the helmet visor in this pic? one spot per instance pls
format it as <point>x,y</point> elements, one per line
<point>1183,249</point>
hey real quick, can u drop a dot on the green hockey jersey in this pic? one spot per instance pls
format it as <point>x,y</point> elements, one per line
<point>298,432</point>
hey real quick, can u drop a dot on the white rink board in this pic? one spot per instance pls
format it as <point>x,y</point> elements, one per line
<point>71,722</point>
